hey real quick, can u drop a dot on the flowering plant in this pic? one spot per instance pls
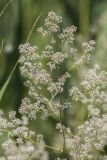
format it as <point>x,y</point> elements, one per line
<point>85,141</point>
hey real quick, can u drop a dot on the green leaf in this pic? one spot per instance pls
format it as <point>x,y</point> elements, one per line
<point>3,89</point>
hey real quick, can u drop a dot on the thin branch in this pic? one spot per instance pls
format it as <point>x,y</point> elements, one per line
<point>51,107</point>
<point>45,145</point>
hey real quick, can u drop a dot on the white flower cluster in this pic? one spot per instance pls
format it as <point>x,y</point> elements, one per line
<point>45,99</point>
<point>51,23</point>
<point>23,151</point>
<point>56,87</point>
<point>18,126</point>
<point>18,145</point>
<point>90,136</point>
<point>66,38</point>
<point>68,34</point>
<point>30,109</point>
<point>89,46</point>
<point>56,59</point>
<point>93,89</point>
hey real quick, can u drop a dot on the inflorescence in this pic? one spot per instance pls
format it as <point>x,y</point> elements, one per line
<point>88,139</point>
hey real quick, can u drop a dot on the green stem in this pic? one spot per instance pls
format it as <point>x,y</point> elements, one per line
<point>51,107</point>
<point>53,96</point>
<point>45,145</point>
<point>63,132</point>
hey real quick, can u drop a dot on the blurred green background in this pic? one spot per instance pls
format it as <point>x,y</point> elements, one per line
<point>90,16</point>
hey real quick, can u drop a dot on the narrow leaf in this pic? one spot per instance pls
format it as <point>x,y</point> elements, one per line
<point>33,27</point>
<point>6,6</point>
<point>1,48</point>
<point>2,91</point>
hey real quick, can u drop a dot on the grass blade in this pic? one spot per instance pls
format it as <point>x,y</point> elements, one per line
<point>6,6</point>
<point>33,27</point>
<point>2,43</point>
<point>7,82</point>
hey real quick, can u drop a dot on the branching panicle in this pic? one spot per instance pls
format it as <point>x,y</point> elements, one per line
<point>38,70</point>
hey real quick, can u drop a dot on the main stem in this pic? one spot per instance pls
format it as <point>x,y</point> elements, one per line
<point>63,132</point>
